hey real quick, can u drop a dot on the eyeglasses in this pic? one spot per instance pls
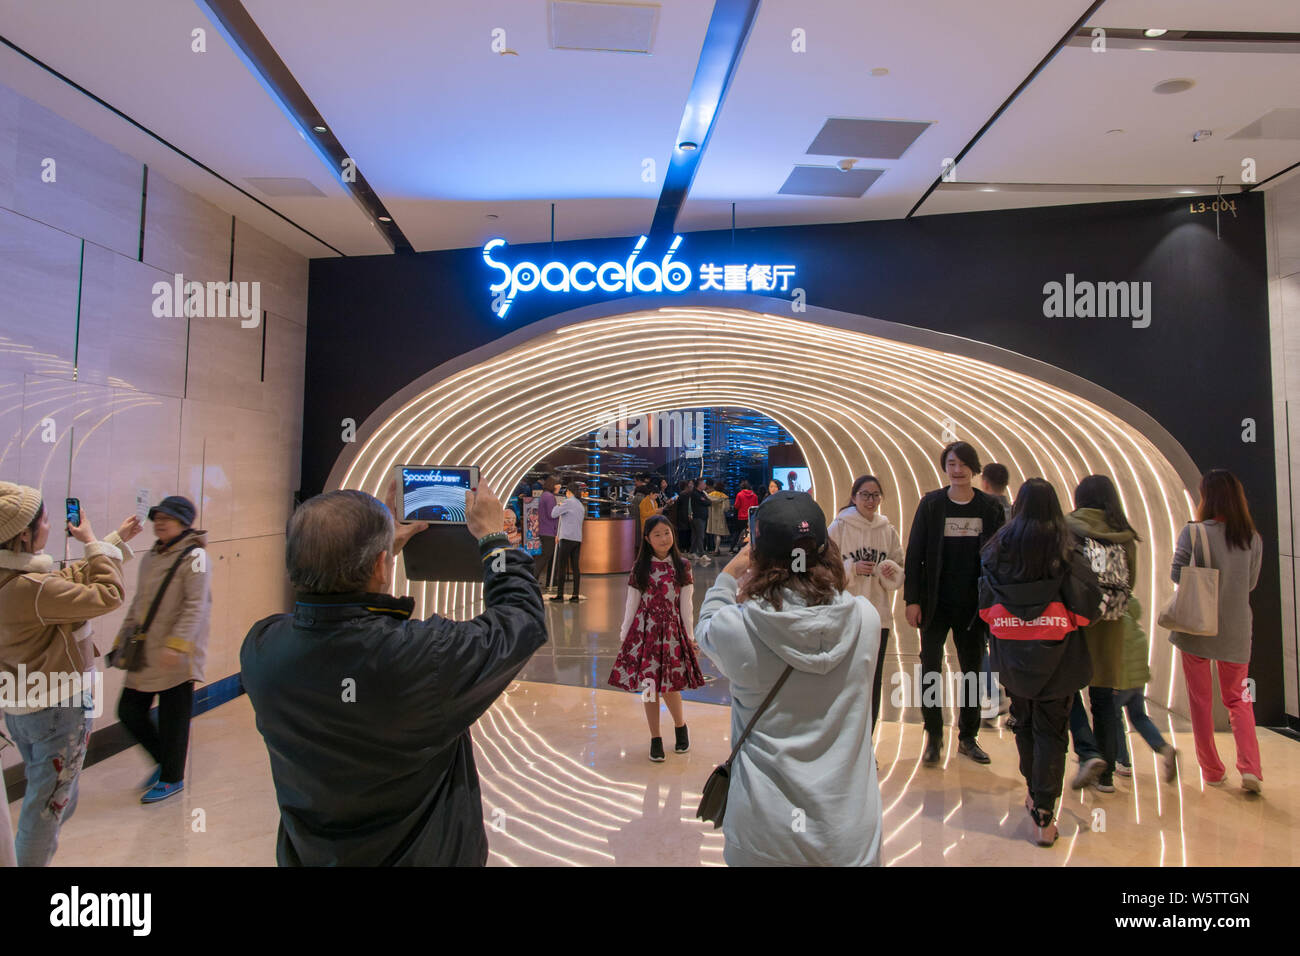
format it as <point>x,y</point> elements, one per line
<point>870,495</point>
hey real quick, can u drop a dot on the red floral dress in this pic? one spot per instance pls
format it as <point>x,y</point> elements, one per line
<point>657,647</point>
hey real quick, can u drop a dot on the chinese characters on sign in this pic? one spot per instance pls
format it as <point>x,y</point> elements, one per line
<point>666,275</point>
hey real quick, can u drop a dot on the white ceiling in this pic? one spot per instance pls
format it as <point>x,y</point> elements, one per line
<point>447,131</point>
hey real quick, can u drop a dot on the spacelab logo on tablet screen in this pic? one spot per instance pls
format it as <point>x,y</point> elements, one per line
<point>668,274</point>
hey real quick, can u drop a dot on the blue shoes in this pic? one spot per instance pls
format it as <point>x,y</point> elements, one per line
<point>161,791</point>
<point>152,779</point>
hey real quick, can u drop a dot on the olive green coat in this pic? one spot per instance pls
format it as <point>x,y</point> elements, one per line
<point>1106,638</point>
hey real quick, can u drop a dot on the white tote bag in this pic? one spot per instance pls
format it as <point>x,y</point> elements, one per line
<point>1194,608</point>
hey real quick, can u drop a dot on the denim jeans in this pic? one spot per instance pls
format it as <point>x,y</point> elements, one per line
<point>1098,739</point>
<point>52,742</point>
<point>1135,702</point>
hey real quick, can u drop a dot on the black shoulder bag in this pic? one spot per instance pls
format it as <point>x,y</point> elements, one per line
<point>713,805</point>
<point>130,657</point>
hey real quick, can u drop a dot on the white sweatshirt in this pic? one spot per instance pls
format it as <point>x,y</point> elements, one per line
<point>876,540</point>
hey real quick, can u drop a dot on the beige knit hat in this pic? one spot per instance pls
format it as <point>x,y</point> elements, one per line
<point>18,506</point>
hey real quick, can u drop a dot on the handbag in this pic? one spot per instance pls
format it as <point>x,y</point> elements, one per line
<point>130,656</point>
<point>713,803</point>
<point>1194,608</point>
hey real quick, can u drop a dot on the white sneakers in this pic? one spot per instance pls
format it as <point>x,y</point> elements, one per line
<point>1251,783</point>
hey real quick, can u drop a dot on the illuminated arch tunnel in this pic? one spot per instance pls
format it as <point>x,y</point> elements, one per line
<point>857,395</point>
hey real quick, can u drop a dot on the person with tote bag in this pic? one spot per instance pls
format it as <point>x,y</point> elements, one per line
<point>1223,538</point>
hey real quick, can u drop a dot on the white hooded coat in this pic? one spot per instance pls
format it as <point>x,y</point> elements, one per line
<point>873,540</point>
<point>803,788</point>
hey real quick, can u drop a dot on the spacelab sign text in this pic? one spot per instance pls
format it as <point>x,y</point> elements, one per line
<point>667,274</point>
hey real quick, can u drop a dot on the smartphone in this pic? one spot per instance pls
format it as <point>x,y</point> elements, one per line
<point>434,493</point>
<point>74,511</point>
<point>753,524</point>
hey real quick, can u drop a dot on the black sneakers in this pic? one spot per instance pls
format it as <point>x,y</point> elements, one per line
<point>657,749</point>
<point>683,740</point>
<point>969,748</point>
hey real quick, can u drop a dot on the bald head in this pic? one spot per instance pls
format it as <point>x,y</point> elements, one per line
<point>334,540</point>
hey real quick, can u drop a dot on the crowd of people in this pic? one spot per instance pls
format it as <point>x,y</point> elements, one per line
<point>366,712</point>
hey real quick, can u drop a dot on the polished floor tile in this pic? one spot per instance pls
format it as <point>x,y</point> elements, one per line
<point>566,781</point>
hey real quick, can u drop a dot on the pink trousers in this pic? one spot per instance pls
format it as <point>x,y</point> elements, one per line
<point>1241,714</point>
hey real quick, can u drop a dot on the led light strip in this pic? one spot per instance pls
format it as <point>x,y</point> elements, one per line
<point>853,402</point>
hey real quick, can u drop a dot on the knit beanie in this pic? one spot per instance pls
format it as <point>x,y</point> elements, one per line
<point>19,504</point>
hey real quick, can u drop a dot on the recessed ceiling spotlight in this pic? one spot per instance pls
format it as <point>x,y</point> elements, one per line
<point>687,146</point>
<point>880,71</point>
<point>988,189</point>
<point>493,216</point>
<point>1166,87</point>
<point>1188,192</point>
<point>385,219</point>
<point>1154,32</point>
<point>846,164</point>
<point>1201,134</point>
<point>1109,131</point>
<point>319,129</point>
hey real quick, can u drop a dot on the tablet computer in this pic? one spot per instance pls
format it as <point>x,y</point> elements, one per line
<point>433,493</point>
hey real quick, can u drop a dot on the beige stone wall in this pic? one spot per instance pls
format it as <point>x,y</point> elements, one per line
<point>201,407</point>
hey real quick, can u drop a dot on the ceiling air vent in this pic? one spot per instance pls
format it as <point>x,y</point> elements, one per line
<point>604,27</point>
<point>874,139</point>
<point>829,181</point>
<point>283,186</point>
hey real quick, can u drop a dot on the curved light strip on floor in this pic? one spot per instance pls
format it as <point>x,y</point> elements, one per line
<point>853,402</point>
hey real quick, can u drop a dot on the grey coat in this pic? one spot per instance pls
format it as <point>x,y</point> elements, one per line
<point>1238,575</point>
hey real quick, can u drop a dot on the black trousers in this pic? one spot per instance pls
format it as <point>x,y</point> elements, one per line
<point>566,557</point>
<point>876,682</point>
<point>969,635</point>
<point>169,743</point>
<point>1042,737</point>
<point>542,563</point>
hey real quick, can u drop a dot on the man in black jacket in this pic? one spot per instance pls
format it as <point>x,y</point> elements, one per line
<point>366,713</point>
<point>941,591</point>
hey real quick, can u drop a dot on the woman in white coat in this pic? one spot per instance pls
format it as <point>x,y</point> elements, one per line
<point>873,563</point>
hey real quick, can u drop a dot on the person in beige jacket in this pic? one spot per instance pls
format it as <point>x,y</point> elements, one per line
<point>175,646</point>
<point>47,658</point>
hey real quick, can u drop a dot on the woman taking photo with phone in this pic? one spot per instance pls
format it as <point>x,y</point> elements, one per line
<point>803,788</point>
<point>44,630</point>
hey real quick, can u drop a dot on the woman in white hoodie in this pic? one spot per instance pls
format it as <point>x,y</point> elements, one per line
<point>873,563</point>
<point>803,788</point>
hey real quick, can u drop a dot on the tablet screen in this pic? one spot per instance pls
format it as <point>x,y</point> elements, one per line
<point>435,493</point>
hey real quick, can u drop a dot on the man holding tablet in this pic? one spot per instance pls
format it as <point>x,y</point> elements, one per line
<point>366,712</point>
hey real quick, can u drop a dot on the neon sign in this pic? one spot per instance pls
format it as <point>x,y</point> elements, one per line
<point>666,275</point>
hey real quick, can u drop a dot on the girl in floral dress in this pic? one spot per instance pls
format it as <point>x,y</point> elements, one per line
<point>659,656</point>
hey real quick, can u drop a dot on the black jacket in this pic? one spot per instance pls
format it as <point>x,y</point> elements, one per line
<point>1046,669</point>
<point>366,717</point>
<point>925,546</point>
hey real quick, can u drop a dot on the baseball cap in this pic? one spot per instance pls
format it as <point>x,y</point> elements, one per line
<point>784,519</point>
<point>182,509</point>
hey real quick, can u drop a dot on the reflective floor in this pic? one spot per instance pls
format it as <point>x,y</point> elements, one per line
<point>566,781</point>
